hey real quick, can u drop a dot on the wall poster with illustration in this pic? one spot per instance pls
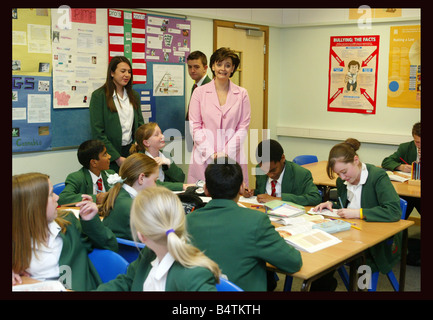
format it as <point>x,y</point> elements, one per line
<point>353,63</point>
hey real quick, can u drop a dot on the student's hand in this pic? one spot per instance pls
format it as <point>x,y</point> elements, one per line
<point>404,168</point>
<point>120,160</point>
<point>219,155</point>
<point>160,161</point>
<point>16,278</point>
<point>88,209</point>
<point>100,197</point>
<point>248,193</point>
<point>323,205</point>
<point>266,198</point>
<point>348,213</point>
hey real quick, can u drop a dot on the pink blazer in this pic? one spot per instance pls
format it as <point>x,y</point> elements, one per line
<point>216,128</point>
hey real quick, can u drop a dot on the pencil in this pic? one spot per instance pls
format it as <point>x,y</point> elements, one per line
<point>403,160</point>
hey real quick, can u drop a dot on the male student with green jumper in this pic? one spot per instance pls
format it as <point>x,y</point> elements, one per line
<point>278,178</point>
<point>240,240</point>
<point>91,179</point>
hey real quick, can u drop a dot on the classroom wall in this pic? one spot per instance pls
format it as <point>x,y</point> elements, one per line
<point>296,56</point>
<point>303,93</point>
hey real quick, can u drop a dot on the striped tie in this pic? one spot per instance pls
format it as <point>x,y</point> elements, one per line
<point>99,184</point>
<point>273,184</point>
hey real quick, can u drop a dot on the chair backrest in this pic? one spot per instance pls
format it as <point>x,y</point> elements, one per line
<point>108,263</point>
<point>58,188</point>
<point>129,249</point>
<point>226,285</point>
<point>304,159</point>
<point>403,206</point>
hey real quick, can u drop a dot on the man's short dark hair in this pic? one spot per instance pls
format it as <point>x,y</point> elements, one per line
<point>89,150</point>
<point>223,178</point>
<point>269,150</point>
<point>198,55</point>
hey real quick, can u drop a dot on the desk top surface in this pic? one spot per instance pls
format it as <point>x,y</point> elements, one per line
<point>353,242</point>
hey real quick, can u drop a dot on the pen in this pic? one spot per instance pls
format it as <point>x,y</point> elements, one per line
<point>341,202</point>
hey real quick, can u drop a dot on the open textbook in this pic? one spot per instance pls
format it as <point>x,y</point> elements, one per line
<point>299,232</point>
<point>310,241</point>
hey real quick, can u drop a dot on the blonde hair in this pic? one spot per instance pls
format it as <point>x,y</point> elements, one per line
<point>344,152</point>
<point>130,170</point>
<point>158,214</point>
<point>143,132</point>
<point>30,193</point>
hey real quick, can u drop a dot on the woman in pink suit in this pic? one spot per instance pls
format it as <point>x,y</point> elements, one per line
<point>219,115</point>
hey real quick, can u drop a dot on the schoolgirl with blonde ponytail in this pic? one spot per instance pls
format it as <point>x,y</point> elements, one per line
<point>158,220</point>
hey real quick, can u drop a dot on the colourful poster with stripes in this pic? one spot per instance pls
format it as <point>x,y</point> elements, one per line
<point>404,73</point>
<point>127,37</point>
<point>353,63</point>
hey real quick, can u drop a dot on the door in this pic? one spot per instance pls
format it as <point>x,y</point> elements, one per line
<point>251,44</point>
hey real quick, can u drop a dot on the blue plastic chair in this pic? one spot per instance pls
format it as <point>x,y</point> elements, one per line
<point>129,249</point>
<point>58,188</point>
<point>226,285</point>
<point>108,263</point>
<point>375,276</point>
<point>305,159</point>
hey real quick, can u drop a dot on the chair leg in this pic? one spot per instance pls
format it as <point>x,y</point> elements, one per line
<point>344,276</point>
<point>374,280</point>
<point>393,280</point>
<point>288,283</point>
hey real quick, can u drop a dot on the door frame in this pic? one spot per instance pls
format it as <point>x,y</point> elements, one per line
<point>265,30</point>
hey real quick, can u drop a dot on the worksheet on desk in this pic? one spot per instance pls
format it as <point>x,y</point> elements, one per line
<point>251,200</point>
<point>325,212</point>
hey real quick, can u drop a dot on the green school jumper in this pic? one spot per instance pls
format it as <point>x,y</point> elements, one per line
<point>179,278</point>
<point>297,185</point>
<point>241,241</point>
<point>105,125</point>
<point>380,203</point>
<point>78,241</point>
<point>407,151</point>
<point>80,182</point>
<point>118,219</point>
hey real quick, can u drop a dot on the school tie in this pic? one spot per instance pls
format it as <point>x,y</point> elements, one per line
<point>273,184</point>
<point>193,87</point>
<point>99,184</point>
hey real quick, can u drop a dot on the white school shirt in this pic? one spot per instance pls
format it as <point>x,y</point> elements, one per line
<point>126,115</point>
<point>132,192</point>
<point>44,264</point>
<point>94,180</point>
<point>277,186</point>
<point>157,277</point>
<point>161,175</point>
<point>354,191</point>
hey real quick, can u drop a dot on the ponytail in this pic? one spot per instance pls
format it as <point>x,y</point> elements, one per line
<point>158,214</point>
<point>129,172</point>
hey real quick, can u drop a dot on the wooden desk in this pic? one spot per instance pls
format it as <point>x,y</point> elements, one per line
<point>353,245</point>
<point>320,177</point>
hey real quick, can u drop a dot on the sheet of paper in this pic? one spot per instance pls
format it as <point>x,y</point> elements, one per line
<point>251,200</point>
<point>325,212</point>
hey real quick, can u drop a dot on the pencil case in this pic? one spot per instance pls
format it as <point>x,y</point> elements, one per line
<point>333,226</point>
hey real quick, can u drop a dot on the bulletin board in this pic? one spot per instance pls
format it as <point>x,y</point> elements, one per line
<point>69,125</point>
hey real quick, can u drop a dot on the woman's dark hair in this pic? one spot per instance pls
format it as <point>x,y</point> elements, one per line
<point>110,87</point>
<point>222,54</point>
